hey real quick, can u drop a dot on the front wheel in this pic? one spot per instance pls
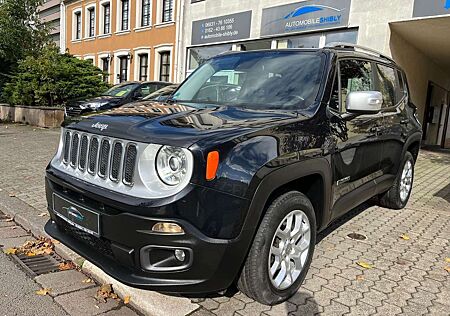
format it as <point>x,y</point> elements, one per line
<point>282,250</point>
<point>398,195</point>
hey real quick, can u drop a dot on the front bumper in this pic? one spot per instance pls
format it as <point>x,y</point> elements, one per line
<point>214,262</point>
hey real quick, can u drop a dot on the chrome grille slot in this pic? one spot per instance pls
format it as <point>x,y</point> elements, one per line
<point>83,152</point>
<point>103,159</point>
<point>93,152</point>
<point>116,160</point>
<point>129,164</point>
<point>66,150</point>
<point>74,150</point>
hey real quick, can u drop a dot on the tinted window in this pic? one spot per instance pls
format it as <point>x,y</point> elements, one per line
<point>262,80</point>
<point>356,75</point>
<point>401,91</point>
<point>387,79</point>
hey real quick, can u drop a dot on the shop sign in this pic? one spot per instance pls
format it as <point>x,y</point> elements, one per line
<point>305,16</point>
<point>431,7</point>
<point>222,29</point>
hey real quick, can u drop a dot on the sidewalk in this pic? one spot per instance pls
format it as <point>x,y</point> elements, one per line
<point>407,277</point>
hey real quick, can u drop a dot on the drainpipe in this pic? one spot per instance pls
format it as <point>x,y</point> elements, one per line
<point>178,68</point>
<point>62,28</point>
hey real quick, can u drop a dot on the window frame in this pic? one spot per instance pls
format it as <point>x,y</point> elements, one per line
<point>157,60</point>
<point>77,35</point>
<point>117,56</point>
<point>120,16</point>
<point>103,5</point>
<point>149,16</point>
<point>171,11</point>
<point>87,31</point>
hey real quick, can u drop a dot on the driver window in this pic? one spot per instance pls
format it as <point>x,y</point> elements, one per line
<point>356,75</point>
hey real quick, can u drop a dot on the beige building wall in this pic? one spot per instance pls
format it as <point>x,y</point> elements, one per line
<point>153,39</point>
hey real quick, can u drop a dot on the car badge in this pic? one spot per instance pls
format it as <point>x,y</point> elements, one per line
<point>100,126</point>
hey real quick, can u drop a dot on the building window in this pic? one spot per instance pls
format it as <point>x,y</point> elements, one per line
<point>164,67</point>
<point>78,25</point>
<point>123,68</point>
<point>167,11</point>
<point>125,15</point>
<point>106,18</point>
<point>91,25</point>
<point>105,68</point>
<point>143,67</point>
<point>145,13</point>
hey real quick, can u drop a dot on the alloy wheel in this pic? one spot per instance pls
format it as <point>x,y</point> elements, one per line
<point>406,181</point>
<point>289,249</point>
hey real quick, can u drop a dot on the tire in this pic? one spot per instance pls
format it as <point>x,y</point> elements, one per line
<point>255,280</point>
<point>393,198</point>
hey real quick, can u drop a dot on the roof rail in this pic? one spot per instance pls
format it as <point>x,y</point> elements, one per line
<point>360,48</point>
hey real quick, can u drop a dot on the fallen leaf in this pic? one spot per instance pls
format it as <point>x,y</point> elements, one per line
<point>43,291</point>
<point>365,265</point>
<point>126,299</point>
<point>8,220</point>
<point>11,251</point>
<point>31,254</point>
<point>89,280</point>
<point>12,195</point>
<point>447,269</point>
<point>405,237</point>
<point>67,265</point>
<point>55,241</point>
<point>447,260</point>
<point>42,214</point>
<point>360,278</point>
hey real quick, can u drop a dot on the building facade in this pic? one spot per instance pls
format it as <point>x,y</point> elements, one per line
<point>50,12</point>
<point>413,32</point>
<point>128,39</point>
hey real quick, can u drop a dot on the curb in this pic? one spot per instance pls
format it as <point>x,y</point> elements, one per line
<point>146,302</point>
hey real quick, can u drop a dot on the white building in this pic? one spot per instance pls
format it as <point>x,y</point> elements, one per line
<point>414,32</point>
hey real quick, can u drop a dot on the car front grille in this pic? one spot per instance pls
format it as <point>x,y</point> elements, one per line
<point>101,245</point>
<point>101,155</point>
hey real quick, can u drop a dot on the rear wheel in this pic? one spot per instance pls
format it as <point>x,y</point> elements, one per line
<point>282,250</point>
<point>398,195</point>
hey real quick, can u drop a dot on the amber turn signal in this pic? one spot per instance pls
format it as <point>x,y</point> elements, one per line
<point>212,163</point>
<point>167,228</point>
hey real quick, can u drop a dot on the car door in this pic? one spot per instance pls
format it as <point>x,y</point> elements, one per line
<point>357,153</point>
<point>391,84</point>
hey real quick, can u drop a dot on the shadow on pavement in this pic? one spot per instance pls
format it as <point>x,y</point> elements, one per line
<point>444,193</point>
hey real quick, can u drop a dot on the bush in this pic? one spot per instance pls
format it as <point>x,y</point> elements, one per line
<point>53,79</point>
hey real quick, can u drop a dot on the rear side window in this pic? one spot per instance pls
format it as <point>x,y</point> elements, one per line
<point>401,91</point>
<point>388,85</point>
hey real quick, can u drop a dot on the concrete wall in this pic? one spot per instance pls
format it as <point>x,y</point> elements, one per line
<point>36,116</point>
<point>419,69</point>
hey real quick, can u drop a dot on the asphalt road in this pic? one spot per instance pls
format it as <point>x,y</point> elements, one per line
<point>18,293</point>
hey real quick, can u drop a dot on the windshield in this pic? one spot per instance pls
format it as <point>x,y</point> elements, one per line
<point>166,91</point>
<point>121,90</point>
<point>286,80</point>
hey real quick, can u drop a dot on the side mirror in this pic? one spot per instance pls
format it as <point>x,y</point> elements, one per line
<point>138,96</point>
<point>364,102</point>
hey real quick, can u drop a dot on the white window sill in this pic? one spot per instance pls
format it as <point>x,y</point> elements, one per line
<point>164,24</point>
<point>87,39</point>
<point>122,32</point>
<point>104,35</point>
<point>76,41</point>
<point>142,28</point>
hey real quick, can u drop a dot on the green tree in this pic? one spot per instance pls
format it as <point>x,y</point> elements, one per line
<point>22,34</point>
<point>53,79</point>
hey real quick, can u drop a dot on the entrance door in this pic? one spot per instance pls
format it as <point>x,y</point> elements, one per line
<point>435,120</point>
<point>446,134</point>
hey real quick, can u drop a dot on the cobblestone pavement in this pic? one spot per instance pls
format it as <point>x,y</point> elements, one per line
<point>408,275</point>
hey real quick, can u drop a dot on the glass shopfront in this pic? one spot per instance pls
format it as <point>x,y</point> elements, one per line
<point>198,55</point>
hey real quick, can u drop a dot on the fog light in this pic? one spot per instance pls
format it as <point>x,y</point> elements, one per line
<point>180,255</point>
<point>167,228</point>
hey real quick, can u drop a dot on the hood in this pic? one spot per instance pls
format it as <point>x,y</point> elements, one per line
<point>178,124</point>
<point>100,99</point>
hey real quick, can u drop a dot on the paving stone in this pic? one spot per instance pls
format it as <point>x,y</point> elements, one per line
<point>124,311</point>
<point>348,297</point>
<point>209,304</point>
<point>201,312</point>
<point>374,298</point>
<point>361,309</point>
<point>310,308</point>
<point>253,309</point>
<point>388,310</point>
<point>6,243</point>
<point>85,303</point>
<point>12,232</point>
<point>63,282</point>
<point>281,309</point>
<point>230,307</point>
<point>335,309</point>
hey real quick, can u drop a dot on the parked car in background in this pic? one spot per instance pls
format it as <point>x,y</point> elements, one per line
<point>116,96</point>
<point>162,94</point>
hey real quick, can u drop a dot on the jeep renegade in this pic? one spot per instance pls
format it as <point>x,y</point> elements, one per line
<point>230,180</point>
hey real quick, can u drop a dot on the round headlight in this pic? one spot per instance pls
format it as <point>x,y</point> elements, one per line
<point>171,165</point>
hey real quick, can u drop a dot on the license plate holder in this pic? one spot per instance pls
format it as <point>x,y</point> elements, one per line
<point>77,215</point>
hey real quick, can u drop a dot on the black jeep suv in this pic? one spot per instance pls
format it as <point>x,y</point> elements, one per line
<point>231,179</point>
